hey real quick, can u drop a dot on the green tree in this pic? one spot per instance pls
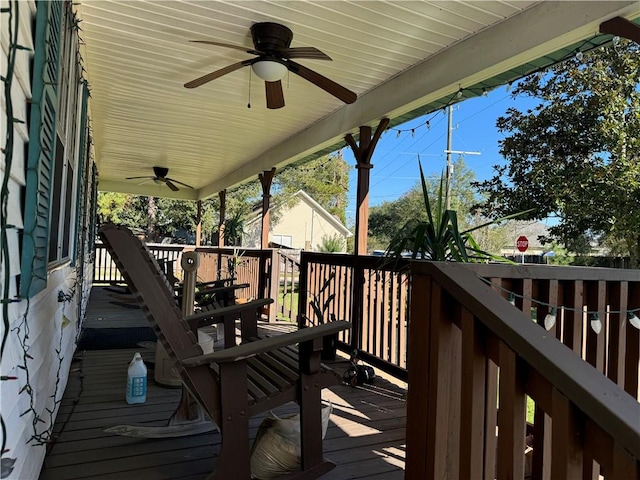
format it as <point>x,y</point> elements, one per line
<point>576,154</point>
<point>325,179</point>
<point>386,218</point>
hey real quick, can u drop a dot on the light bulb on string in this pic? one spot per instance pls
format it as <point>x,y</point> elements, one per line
<point>596,324</point>
<point>459,94</point>
<point>579,55</point>
<point>633,320</point>
<point>616,41</point>
<point>485,93</point>
<point>512,299</point>
<point>550,318</point>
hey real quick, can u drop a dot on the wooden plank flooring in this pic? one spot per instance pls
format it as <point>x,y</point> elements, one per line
<point>365,436</point>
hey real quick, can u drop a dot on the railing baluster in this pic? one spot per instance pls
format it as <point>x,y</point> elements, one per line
<point>595,343</point>
<point>618,300</point>
<point>566,458</point>
<point>472,428</point>
<point>418,419</point>
<point>511,415</point>
<point>632,342</point>
<point>573,316</point>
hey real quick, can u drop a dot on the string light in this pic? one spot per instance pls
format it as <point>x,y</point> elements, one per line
<point>550,319</point>
<point>596,324</point>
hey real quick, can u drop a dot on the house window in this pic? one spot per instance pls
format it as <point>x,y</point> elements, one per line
<point>55,119</point>
<point>62,228</point>
<point>284,240</point>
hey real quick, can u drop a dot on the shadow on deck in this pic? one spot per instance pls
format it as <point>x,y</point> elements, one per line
<point>366,435</point>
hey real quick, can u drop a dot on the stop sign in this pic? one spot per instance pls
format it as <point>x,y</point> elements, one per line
<point>522,243</point>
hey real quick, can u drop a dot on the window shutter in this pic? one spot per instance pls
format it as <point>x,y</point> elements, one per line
<point>41,152</point>
<point>81,200</point>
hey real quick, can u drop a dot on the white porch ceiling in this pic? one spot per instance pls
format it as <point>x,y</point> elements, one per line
<point>397,56</point>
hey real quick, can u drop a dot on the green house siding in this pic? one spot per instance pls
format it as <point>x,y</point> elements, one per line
<point>41,152</point>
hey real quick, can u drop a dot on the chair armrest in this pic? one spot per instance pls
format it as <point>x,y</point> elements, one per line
<point>247,350</point>
<point>218,314</point>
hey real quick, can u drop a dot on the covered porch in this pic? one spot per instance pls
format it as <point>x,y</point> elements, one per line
<point>516,371</point>
<point>365,438</point>
<point>483,364</point>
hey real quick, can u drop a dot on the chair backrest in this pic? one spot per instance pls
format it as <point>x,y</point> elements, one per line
<point>150,287</point>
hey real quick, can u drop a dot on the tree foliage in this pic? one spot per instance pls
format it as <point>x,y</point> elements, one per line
<point>326,179</point>
<point>576,154</point>
<point>386,218</point>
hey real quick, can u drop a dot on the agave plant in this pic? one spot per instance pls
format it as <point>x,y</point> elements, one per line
<point>439,238</point>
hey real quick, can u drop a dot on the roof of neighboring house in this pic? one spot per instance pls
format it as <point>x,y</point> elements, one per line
<point>319,209</point>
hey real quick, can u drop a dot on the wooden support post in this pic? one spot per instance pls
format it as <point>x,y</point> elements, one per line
<point>198,222</point>
<point>363,154</point>
<point>223,211</point>
<point>266,178</point>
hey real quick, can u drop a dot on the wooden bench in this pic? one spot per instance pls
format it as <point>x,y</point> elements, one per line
<point>240,381</point>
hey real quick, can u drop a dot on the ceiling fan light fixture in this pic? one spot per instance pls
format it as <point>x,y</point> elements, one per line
<point>269,70</point>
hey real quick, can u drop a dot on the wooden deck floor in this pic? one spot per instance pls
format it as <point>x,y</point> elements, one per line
<point>365,436</point>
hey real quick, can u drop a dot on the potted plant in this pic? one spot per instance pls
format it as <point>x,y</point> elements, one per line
<point>439,238</point>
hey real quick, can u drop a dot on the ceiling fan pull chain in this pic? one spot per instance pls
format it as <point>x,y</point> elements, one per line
<point>249,103</point>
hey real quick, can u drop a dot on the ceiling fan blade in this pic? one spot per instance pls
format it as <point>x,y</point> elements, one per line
<point>275,96</point>
<point>176,181</point>
<point>329,86</point>
<point>135,178</point>
<point>218,73</point>
<point>171,185</point>
<point>227,45</point>
<point>304,52</point>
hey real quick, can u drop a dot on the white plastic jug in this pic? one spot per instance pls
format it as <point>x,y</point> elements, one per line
<point>136,381</point>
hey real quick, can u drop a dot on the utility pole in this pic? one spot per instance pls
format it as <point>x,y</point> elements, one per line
<point>449,151</point>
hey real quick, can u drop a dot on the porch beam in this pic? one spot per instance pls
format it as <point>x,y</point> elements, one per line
<point>363,153</point>
<point>621,27</point>
<point>266,178</point>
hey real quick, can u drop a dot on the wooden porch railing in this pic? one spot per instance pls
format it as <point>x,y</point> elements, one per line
<point>258,268</point>
<point>470,351</point>
<point>371,293</point>
<point>374,295</point>
<point>106,271</point>
<point>289,275</point>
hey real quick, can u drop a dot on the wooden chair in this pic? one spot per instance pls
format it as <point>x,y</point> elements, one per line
<point>238,382</point>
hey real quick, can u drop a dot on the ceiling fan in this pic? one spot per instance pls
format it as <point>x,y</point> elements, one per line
<point>160,176</point>
<point>273,60</point>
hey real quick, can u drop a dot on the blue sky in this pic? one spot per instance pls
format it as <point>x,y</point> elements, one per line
<point>395,159</point>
